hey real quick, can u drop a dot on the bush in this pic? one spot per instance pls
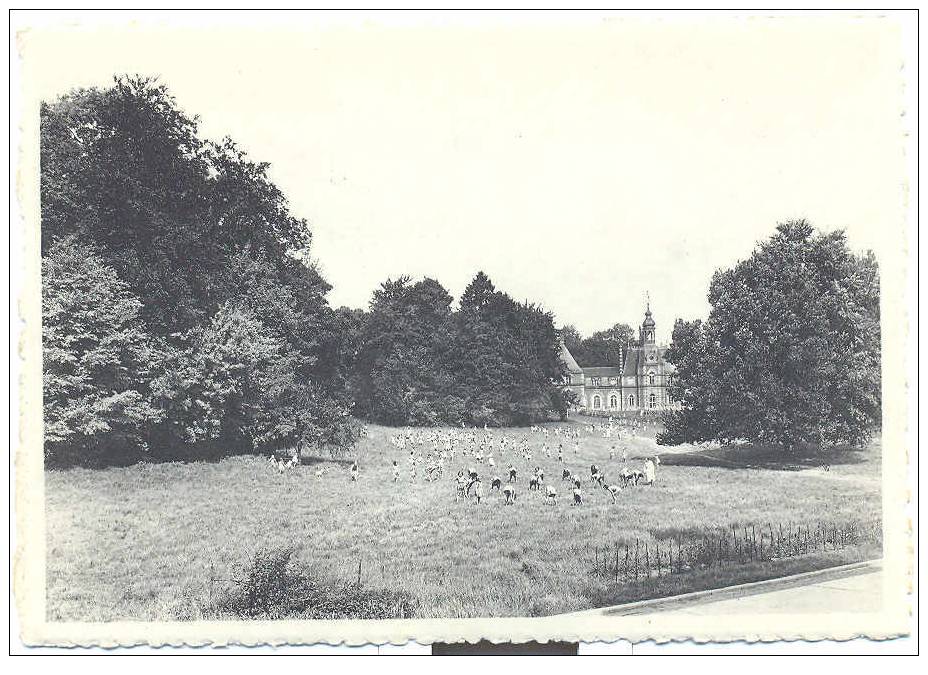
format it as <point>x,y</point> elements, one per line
<point>270,588</point>
<point>674,431</point>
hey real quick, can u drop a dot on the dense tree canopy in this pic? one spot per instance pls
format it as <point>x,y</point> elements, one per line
<point>418,362</point>
<point>244,351</point>
<point>791,350</point>
<point>123,168</point>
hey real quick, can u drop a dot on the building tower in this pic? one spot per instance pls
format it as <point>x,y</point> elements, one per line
<point>647,328</point>
<point>650,393</point>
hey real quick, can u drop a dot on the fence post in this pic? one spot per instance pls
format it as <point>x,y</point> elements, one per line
<point>754,541</point>
<point>636,558</point>
<point>734,542</point>
<point>617,562</point>
<point>625,577</point>
<point>647,562</point>
<point>657,555</point>
<point>359,571</point>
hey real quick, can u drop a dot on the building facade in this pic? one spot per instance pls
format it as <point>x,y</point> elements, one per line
<point>642,382</point>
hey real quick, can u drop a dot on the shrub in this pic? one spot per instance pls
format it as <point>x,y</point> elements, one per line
<point>271,588</point>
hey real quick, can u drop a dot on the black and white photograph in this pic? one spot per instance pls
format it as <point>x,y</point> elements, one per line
<point>360,328</point>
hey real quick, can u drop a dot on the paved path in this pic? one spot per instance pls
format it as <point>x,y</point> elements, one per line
<point>850,588</point>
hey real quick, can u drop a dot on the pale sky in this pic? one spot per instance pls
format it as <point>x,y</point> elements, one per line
<point>579,162</point>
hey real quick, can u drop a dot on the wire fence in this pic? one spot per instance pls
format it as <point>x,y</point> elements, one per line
<point>638,559</point>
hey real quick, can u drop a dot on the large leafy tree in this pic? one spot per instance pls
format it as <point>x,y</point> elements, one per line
<point>124,168</point>
<point>96,359</point>
<point>791,350</point>
<point>402,363</point>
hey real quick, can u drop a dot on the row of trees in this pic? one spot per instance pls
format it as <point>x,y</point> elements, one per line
<point>183,316</point>
<point>492,361</point>
<point>790,353</point>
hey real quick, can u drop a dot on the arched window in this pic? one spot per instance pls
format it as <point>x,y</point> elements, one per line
<point>631,401</point>
<point>597,402</point>
<point>613,402</point>
<point>652,401</point>
<point>651,377</point>
<point>669,397</point>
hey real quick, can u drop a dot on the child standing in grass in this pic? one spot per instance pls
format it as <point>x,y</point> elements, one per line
<point>354,471</point>
<point>396,471</point>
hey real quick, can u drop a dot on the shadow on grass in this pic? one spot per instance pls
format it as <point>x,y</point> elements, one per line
<point>770,457</point>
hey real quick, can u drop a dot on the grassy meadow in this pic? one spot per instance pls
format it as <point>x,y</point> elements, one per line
<point>158,541</point>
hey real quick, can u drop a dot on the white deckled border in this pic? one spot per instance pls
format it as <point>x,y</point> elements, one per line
<point>29,561</point>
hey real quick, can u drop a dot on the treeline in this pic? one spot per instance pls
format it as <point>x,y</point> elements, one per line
<point>790,353</point>
<point>183,316</point>
<point>419,362</point>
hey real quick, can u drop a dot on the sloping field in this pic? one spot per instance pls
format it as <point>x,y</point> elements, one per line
<point>156,541</point>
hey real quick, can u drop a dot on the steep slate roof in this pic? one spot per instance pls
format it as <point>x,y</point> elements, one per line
<point>602,371</point>
<point>568,359</point>
<point>631,362</point>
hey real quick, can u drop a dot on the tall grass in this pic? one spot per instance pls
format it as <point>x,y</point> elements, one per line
<point>143,542</point>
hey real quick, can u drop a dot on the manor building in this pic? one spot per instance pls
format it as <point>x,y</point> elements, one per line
<point>641,383</point>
